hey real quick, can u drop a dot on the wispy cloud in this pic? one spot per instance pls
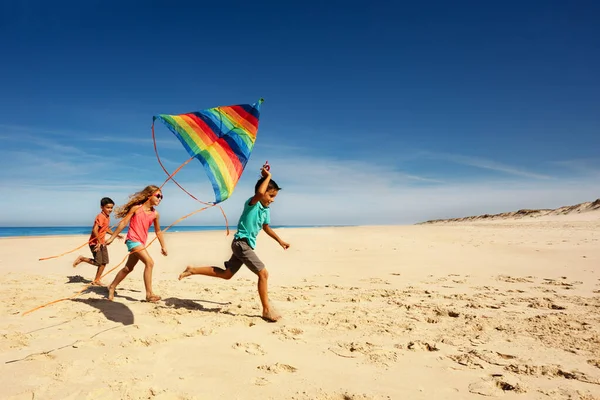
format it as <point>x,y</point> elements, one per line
<point>10,130</point>
<point>586,166</point>
<point>18,133</point>
<point>335,173</point>
<point>161,143</point>
<point>283,147</point>
<point>484,163</point>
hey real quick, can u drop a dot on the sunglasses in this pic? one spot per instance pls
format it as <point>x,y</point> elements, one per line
<point>158,195</point>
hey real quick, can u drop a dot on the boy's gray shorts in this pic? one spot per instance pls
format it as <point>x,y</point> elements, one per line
<point>243,254</point>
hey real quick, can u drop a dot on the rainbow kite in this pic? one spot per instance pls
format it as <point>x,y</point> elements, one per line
<point>221,138</point>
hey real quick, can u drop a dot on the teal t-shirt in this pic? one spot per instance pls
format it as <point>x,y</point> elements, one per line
<point>251,221</point>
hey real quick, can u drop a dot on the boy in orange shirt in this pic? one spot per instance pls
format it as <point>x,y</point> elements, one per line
<point>97,240</point>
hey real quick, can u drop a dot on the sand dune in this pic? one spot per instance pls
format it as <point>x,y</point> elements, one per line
<point>527,213</point>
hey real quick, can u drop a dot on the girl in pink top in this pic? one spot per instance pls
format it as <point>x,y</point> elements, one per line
<point>140,213</point>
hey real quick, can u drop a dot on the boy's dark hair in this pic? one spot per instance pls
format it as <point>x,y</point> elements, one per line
<point>272,185</point>
<point>106,201</point>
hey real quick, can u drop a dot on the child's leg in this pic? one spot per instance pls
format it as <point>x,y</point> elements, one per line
<point>246,254</point>
<point>207,271</point>
<point>99,272</point>
<point>263,284</point>
<point>101,259</point>
<point>81,259</point>
<point>231,267</point>
<point>91,261</point>
<point>129,265</point>
<point>149,267</point>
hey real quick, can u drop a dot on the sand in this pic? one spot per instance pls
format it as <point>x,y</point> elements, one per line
<point>443,311</point>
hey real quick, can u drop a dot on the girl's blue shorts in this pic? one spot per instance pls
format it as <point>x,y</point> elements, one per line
<point>131,244</point>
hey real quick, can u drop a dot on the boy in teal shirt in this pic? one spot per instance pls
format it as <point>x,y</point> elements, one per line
<point>256,216</point>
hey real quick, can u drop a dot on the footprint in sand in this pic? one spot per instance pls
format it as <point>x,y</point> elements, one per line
<point>467,360</point>
<point>595,363</point>
<point>495,385</point>
<point>550,371</point>
<point>480,359</point>
<point>422,346</point>
<point>567,393</point>
<point>443,312</point>
<point>349,350</point>
<point>544,303</point>
<point>295,297</point>
<point>288,333</point>
<point>277,368</point>
<point>250,348</point>
<point>510,279</point>
<point>118,360</point>
<point>321,395</point>
<point>373,353</point>
<point>563,284</point>
<point>376,281</point>
<point>261,381</point>
<point>13,340</point>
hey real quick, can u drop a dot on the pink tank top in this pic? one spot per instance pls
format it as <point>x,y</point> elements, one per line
<point>139,224</point>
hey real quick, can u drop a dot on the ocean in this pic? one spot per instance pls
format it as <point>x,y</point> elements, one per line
<point>86,230</point>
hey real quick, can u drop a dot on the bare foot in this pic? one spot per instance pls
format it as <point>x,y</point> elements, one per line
<point>111,293</point>
<point>153,298</point>
<point>185,273</point>
<point>271,316</point>
<point>77,261</point>
<point>98,283</point>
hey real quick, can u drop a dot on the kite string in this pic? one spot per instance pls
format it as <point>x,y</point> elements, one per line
<point>119,264</point>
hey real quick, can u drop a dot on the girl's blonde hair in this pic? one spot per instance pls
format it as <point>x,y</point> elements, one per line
<point>136,199</point>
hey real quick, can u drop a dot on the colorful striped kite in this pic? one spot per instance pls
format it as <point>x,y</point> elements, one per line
<point>221,138</point>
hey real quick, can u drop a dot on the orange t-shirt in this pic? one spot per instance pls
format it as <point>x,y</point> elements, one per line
<point>103,223</point>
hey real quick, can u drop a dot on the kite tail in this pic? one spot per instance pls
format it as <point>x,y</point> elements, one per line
<point>170,176</point>
<point>119,264</point>
<point>226,223</point>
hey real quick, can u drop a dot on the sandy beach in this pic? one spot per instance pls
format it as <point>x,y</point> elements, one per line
<point>443,311</point>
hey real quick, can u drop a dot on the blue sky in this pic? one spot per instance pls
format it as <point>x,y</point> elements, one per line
<point>374,112</point>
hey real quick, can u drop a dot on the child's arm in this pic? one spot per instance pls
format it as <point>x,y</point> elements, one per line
<point>262,189</point>
<point>122,224</point>
<point>272,233</point>
<point>95,234</point>
<point>95,230</point>
<point>159,235</point>
<point>110,232</point>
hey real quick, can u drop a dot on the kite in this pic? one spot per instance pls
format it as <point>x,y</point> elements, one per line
<point>221,138</point>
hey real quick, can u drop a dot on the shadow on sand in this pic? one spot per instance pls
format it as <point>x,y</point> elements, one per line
<point>192,305</point>
<point>173,302</point>
<point>77,279</point>
<point>112,310</point>
<point>96,289</point>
